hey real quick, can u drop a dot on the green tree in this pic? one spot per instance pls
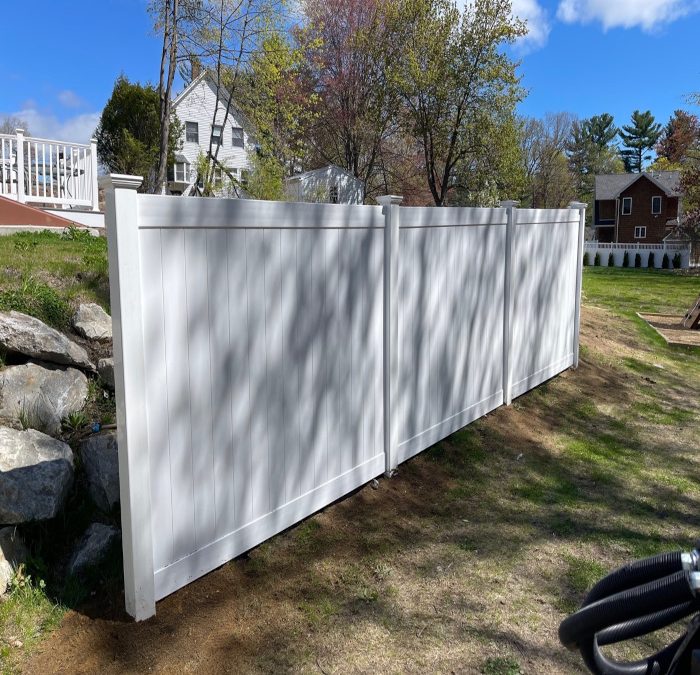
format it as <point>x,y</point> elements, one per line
<point>129,130</point>
<point>280,107</point>
<point>638,139</point>
<point>454,80</point>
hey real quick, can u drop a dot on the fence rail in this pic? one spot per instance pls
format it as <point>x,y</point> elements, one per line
<point>48,172</point>
<point>272,357</point>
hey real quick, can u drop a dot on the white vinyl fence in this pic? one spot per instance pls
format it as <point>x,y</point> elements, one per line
<point>604,250</point>
<point>272,357</point>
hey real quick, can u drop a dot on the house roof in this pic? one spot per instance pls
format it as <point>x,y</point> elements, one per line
<point>610,186</point>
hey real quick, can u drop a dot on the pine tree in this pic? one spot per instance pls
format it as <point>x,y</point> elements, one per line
<point>638,139</point>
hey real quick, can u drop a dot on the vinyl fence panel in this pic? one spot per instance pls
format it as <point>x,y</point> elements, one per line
<point>272,357</point>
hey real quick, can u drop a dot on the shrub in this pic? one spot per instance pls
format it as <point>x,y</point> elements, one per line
<point>611,259</point>
<point>665,262</point>
<point>596,260</point>
<point>677,261</point>
<point>651,263</point>
<point>638,260</point>
<point>626,259</point>
<point>586,261</point>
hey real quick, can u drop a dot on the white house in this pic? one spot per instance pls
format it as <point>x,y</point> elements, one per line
<point>194,108</point>
<point>330,184</point>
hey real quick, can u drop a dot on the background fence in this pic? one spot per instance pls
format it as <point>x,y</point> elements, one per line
<point>272,357</point>
<point>618,251</point>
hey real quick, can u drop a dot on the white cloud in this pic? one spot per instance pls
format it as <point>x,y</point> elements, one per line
<point>69,99</point>
<point>646,14</point>
<point>537,21</point>
<point>76,129</point>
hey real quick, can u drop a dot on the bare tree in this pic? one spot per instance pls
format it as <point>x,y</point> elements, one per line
<point>9,124</point>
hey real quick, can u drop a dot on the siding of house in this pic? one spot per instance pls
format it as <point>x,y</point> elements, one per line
<point>315,186</point>
<point>198,106</point>
<point>642,192</point>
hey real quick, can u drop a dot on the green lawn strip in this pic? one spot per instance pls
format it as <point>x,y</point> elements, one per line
<point>46,274</point>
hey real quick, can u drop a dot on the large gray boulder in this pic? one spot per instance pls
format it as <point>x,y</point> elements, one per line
<point>41,395</point>
<point>36,472</point>
<point>26,335</point>
<point>92,322</point>
<point>105,367</point>
<point>101,462</point>
<point>13,553</point>
<point>93,547</point>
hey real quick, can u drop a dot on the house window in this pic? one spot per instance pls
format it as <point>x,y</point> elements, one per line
<point>333,194</point>
<point>192,132</point>
<point>181,172</point>
<point>216,134</point>
<point>640,232</point>
<point>656,206</point>
<point>237,135</point>
<point>626,206</point>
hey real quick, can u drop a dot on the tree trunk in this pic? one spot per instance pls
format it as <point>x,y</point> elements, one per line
<point>165,87</point>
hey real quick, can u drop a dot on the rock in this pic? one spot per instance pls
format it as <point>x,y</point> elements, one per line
<point>26,335</point>
<point>13,553</point>
<point>100,459</point>
<point>36,472</point>
<point>105,367</point>
<point>40,395</point>
<point>92,322</point>
<point>93,547</point>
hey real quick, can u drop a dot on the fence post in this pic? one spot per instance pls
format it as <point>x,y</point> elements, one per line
<point>129,375</point>
<point>581,208</point>
<point>511,208</point>
<point>93,171</point>
<point>390,204</point>
<point>21,196</point>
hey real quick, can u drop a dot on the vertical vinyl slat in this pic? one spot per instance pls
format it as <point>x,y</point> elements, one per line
<point>223,359</point>
<point>179,414</point>
<point>154,298</point>
<point>240,385</point>
<point>43,167</point>
<point>378,341</point>
<point>291,307</point>
<point>257,264</point>
<point>307,415</point>
<point>199,364</point>
<point>356,357</point>
<point>275,365</point>
<point>321,368</point>
<point>335,346</point>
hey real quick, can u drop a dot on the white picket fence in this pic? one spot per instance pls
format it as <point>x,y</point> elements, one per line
<point>618,251</point>
<point>48,172</point>
<point>272,357</point>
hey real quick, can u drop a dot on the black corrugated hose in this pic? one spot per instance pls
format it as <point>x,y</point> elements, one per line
<point>635,600</point>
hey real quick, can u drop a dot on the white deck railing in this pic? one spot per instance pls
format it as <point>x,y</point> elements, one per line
<point>50,173</point>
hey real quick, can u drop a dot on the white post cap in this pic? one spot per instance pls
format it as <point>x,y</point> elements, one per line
<point>114,181</point>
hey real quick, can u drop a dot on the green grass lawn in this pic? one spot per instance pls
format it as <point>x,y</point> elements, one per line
<point>47,275</point>
<point>467,560</point>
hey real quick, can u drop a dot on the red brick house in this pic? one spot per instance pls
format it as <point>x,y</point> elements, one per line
<point>641,208</point>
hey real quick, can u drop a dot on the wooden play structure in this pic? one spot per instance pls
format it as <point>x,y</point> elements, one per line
<point>692,317</point>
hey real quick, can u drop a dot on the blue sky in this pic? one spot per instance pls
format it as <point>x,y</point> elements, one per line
<point>581,56</point>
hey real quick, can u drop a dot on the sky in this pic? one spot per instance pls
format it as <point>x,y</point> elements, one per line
<point>580,56</point>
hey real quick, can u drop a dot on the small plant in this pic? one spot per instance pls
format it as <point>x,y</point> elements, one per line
<point>611,259</point>
<point>586,259</point>
<point>651,263</point>
<point>626,259</point>
<point>501,665</point>
<point>596,260</point>
<point>637,260</point>
<point>677,261</point>
<point>665,263</point>
<point>74,421</point>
